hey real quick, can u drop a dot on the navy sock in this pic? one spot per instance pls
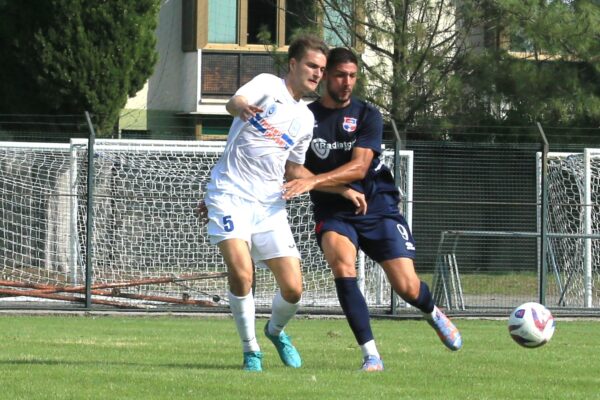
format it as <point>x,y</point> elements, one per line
<point>355,308</point>
<point>424,300</point>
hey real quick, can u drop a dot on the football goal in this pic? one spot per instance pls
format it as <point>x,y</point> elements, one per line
<point>572,235</point>
<point>148,247</point>
<point>574,223</point>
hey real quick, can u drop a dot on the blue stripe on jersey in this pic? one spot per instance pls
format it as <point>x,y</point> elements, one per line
<point>287,139</point>
<point>269,131</point>
<point>255,121</point>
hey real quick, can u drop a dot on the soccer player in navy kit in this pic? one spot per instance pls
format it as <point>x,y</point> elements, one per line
<point>345,150</point>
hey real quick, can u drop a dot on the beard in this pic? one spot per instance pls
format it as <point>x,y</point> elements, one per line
<point>335,96</point>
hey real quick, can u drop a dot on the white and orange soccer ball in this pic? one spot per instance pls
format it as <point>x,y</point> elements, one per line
<point>531,325</point>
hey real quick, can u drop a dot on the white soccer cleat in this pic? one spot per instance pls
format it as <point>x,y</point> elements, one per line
<point>448,333</point>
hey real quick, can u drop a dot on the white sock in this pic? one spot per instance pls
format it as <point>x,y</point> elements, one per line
<point>281,313</point>
<point>369,349</point>
<point>243,312</point>
<point>432,315</point>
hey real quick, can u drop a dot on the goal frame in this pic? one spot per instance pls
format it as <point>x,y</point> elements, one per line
<point>586,204</point>
<point>372,281</point>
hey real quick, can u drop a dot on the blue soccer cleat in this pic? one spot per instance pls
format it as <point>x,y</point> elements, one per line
<point>445,329</point>
<point>253,361</point>
<point>372,364</point>
<point>287,352</point>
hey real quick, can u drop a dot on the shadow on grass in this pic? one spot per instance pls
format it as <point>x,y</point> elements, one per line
<point>188,366</point>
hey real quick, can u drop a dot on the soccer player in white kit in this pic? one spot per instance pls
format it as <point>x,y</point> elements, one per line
<point>247,220</point>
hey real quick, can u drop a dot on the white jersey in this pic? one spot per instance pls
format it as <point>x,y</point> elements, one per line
<point>253,163</point>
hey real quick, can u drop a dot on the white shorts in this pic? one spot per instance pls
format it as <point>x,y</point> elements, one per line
<point>264,228</point>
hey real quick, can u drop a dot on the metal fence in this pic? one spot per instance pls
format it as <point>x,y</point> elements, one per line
<point>478,222</point>
<point>484,243</point>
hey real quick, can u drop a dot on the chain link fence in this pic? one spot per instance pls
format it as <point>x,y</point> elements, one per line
<point>475,209</point>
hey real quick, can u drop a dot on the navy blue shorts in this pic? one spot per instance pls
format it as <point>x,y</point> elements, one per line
<point>381,237</point>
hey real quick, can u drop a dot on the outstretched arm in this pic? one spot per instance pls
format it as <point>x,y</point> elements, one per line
<point>238,106</point>
<point>295,171</point>
<point>354,170</point>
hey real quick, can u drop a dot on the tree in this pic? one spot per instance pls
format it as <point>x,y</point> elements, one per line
<point>413,50</point>
<point>448,62</point>
<point>71,56</point>
<point>544,66</point>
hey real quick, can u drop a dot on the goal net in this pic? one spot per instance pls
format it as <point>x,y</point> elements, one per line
<point>573,183</point>
<point>148,247</point>
<point>34,187</point>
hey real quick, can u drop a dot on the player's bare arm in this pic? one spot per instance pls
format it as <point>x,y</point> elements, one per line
<point>294,171</point>
<point>355,170</point>
<point>238,106</point>
<point>357,198</point>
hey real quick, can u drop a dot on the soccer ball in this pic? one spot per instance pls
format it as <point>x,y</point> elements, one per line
<point>531,325</point>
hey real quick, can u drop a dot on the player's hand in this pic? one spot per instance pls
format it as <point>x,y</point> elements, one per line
<point>202,212</point>
<point>297,187</point>
<point>249,111</point>
<point>358,199</point>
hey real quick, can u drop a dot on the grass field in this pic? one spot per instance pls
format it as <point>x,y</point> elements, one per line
<point>167,357</point>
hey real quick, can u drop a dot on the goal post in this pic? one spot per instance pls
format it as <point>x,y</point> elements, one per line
<point>574,222</point>
<point>571,266</point>
<point>145,227</point>
<point>34,190</point>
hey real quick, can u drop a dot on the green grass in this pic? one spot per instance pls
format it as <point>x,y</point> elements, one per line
<point>58,357</point>
<point>508,284</point>
<point>512,283</point>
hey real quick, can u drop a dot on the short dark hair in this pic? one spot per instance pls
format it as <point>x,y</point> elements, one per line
<point>340,55</point>
<point>304,43</point>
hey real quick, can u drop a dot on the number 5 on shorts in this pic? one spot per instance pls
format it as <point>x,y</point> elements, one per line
<point>227,223</point>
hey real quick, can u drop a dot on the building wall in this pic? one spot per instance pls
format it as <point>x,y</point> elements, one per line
<point>173,87</point>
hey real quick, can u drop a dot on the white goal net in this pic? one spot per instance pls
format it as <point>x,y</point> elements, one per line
<point>574,224</point>
<point>148,247</point>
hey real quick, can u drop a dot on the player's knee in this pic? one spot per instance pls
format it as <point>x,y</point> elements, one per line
<point>409,290</point>
<point>240,285</point>
<point>292,295</point>
<point>343,269</point>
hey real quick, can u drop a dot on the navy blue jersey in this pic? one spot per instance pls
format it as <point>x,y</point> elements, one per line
<point>337,132</point>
